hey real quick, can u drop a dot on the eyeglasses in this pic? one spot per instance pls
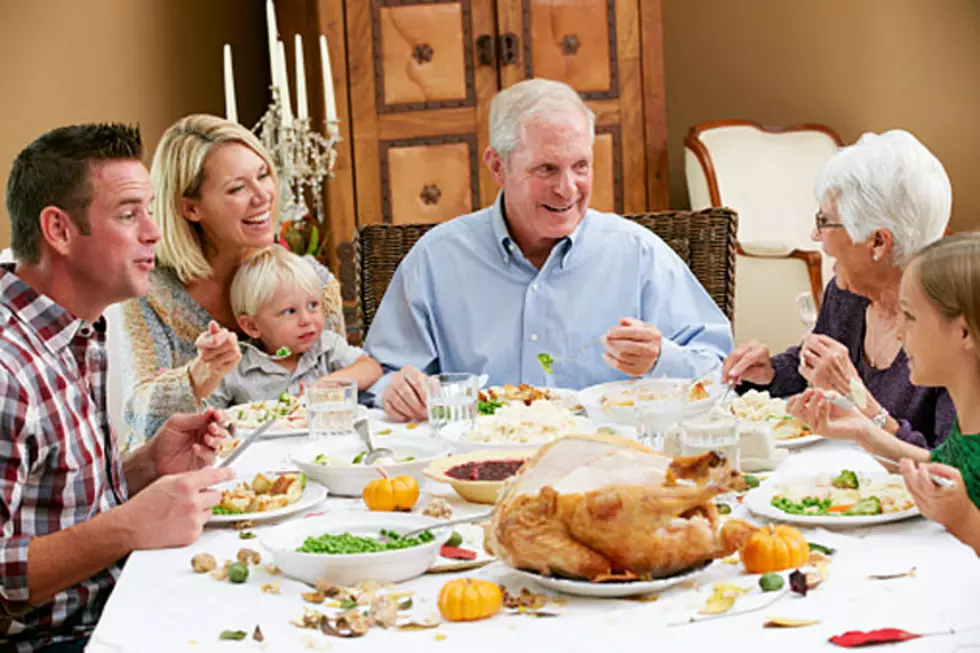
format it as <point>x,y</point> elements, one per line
<point>821,222</point>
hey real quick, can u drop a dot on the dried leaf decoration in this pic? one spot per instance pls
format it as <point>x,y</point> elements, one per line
<point>797,582</point>
<point>257,635</point>
<point>786,622</point>
<point>905,574</point>
<point>722,598</point>
<point>856,638</point>
<point>642,598</point>
<point>419,625</point>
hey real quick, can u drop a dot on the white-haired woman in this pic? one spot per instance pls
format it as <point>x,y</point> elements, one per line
<point>881,199</point>
<point>217,199</point>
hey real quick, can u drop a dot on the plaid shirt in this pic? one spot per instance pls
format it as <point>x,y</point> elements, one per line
<point>59,462</point>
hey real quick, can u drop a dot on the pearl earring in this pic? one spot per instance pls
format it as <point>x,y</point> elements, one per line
<point>875,257</point>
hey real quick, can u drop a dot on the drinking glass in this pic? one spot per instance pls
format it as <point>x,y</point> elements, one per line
<point>659,407</point>
<point>330,408</point>
<point>451,397</point>
<point>719,434</point>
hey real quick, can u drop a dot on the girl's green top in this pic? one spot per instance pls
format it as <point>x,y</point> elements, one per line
<point>963,453</point>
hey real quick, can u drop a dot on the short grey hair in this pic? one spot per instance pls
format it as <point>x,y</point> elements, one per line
<point>524,102</point>
<point>889,181</point>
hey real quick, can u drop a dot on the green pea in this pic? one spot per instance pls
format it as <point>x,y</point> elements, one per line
<point>237,572</point>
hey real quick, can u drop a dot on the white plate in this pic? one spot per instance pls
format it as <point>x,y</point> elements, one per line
<point>454,434</point>
<point>610,590</point>
<point>562,396</point>
<point>313,494</point>
<point>349,480</point>
<point>349,569</point>
<point>796,443</point>
<point>758,501</point>
<point>591,400</point>
<point>472,540</point>
<point>276,432</point>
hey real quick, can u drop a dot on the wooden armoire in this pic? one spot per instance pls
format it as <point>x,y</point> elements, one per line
<point>414,78</point>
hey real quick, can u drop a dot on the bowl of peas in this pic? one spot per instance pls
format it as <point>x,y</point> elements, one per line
<point>347,549</point>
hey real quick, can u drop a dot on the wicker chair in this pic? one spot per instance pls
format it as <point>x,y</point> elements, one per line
<point>704,239</point>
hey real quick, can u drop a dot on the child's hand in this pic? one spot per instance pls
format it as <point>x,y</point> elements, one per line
<point>945,505</point>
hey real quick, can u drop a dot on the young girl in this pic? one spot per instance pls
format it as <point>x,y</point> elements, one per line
<point>940,299</point>
<point>275,295</point>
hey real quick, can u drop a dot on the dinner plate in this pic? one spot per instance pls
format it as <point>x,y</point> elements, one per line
<point>287,431</point>
<point>796,443</point>
<point>313,494</point>
<point>759,502</point>
<point>591,400</point>
<point>456,431</point>
<point>611,590</point>
<point>473,540</point>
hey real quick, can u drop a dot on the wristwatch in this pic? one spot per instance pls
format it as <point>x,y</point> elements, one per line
<point>880,419</point>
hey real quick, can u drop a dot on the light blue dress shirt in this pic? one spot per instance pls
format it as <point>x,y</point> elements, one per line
<point>465,299</point>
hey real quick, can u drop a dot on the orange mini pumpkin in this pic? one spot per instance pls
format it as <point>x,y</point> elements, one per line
<point>469,599</point>
<point>774,548</point>
<point>389,494</point>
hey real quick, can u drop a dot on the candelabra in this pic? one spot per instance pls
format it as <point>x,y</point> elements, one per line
<point>303,158</point>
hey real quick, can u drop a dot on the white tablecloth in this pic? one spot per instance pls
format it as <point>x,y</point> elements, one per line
<point>160,605</point>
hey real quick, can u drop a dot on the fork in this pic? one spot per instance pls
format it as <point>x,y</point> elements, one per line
<point>941,481</point>
<point>557,359</point>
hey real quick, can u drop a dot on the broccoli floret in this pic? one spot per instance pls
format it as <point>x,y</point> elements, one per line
<point>846,480</point>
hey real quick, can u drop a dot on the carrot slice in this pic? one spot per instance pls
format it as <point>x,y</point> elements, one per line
<point>843,508</point>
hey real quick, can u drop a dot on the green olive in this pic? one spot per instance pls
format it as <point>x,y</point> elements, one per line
<point>455,539</point>
<point>237,572</point>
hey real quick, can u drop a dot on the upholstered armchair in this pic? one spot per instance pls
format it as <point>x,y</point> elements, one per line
<point>767,175</point>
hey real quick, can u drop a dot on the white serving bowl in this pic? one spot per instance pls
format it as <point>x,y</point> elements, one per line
<point>591,399</point>
<point>455,433</point>
<point>348,480</point>
<point>349,569</point>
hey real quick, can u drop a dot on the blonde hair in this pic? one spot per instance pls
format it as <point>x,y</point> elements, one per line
<point>948,272</point>
<point>260,275</point>
<point>177,173</point>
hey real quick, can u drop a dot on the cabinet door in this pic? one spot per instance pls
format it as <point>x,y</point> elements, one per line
<point>420,85</point>
<point>594,46</point>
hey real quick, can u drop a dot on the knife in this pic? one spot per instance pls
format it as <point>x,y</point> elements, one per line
<point>252,437</point>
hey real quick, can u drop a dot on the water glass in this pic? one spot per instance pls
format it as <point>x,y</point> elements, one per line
<point>718,434</point>
<point>330,408</point>
<point>659,408</point>
<point>451,398</point>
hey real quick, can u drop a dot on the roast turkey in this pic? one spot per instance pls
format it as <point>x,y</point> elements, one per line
<point>605,508</point>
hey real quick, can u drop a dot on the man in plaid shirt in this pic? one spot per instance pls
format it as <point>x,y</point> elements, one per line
<point>71,508</point>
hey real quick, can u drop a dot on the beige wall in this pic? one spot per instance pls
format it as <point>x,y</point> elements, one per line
<point>857,65</point>
<point>143,61</point>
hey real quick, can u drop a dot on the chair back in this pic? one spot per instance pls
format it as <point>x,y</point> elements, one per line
<point>705,240</point>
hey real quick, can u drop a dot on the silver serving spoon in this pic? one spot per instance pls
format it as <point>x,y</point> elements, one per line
<point>451,522</point>
<point>361,427</point>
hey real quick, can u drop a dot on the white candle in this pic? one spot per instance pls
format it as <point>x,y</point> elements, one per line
<point>270,22</point>
<point>329,102</point>
<point>231,107</point>
<point>287,107</point>
<point>301,108</point>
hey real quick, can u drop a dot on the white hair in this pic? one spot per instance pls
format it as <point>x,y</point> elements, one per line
<point>533,99</point>
<point>889,181</point>
<point>260,276</point>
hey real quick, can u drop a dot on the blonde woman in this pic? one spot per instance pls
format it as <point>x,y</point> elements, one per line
<point>216,199</point>
<point>941,336</point>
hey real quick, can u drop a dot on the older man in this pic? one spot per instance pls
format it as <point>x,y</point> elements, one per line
<point>541,272</point>
<point>71,509</point>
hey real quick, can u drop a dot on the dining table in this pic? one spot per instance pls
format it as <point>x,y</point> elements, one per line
<point>910,574</point>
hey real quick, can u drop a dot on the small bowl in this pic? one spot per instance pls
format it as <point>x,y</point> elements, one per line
<point>349,569</point>
<point>348,480</point>
<point>474,491</point>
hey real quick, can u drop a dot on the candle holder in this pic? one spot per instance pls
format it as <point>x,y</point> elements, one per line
<point>303,158</point>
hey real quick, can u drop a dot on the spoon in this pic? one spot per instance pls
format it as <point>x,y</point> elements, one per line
<point>546,360</point>
<point>451,522</point>
<point>361,426</point>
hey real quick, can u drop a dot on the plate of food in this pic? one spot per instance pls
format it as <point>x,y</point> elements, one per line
<point>760,408</point>
<point>517,425</point>
<point>496,396</point>
<point>340,466</point>
<point>267,496</point>
<point>463,550</point>
<point>844,499</point>
<point>250,416</point>
<point>616,402</point>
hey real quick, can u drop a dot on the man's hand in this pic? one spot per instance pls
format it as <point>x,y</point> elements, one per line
<point>405,397</point>
<point>632,347</point>
<point>826,363</point>
<point>948,506</point>
<point>749,362</point>
<point>187,442</point>
<point>217,354</point>
<point>172,510</point>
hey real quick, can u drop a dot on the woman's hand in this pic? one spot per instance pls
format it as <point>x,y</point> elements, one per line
<point>217,354</point>
<point>826,364</point>
<point>948,506</point>
<point>814,408</point>
<point>749,362</point>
